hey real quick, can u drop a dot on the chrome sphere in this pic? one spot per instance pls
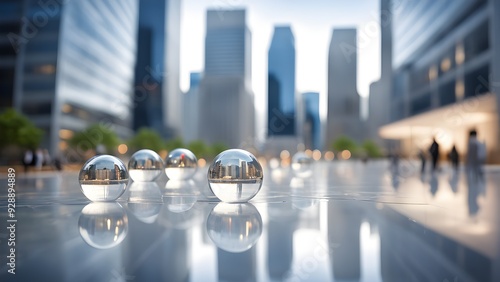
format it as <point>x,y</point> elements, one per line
<point>103,178</point>
<point>235,176</point>
<point>145,165</point>
<point>181,164</point>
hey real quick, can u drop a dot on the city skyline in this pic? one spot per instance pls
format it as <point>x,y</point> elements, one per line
<point>312,26</point>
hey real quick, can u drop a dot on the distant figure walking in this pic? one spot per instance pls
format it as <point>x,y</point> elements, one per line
<point>423,160</point>
<point>476,156</point>
<point>454,158</point>
<point>39,159</point>
<point>27,159</point>
<point>434,152</point>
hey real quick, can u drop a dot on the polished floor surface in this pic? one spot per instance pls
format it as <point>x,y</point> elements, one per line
<point>349,221</point>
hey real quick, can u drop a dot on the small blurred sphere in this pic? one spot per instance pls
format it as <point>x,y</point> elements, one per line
<point>234,228</point>
<point>302,165</point>
<point>103,225</point>
<point>145,165</point>
<point>181,164</point>
<point>235,176</point>
<point>103,178</point>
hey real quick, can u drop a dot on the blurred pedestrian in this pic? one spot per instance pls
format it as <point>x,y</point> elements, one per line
<point>39,159</point>
<point>423,159</point>
<point>454,158</point>
<point>473,163</point>
<point>476,155</point>
<point>58,162</point>
<point>434,152</point>
<point>394,158</point>
<point>27,159</point>
<point>47,160</point>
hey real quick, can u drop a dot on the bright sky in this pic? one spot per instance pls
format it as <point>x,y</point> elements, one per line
<point>312,23</point>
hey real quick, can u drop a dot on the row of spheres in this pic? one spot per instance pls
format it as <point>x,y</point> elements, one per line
<point>235,175</point>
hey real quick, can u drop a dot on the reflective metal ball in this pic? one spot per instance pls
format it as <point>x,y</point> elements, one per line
<point>181,164</point>
<point>103,178</point>
<point>235,176</point>
<point>145,165</point>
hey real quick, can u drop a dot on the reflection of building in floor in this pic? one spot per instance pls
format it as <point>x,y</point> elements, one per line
<point>444,70</point>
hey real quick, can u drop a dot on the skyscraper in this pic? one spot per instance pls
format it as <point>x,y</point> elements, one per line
<point>149,68</point>
<point>227,112</point>
<point>343,98</point>
<point>312,123</point>
<point>380,90</point>
<point>281,83</point>
<point>69,65</point>
<point>157,96</point>
<point>172,102</point>
<point>190,109</point>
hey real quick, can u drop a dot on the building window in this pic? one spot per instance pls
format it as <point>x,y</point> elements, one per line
<point>420,104</point>
<point>459,54</point>
<point>445,64</point>
<point>477,82</point>
<point>433,73</point>
<point>459,90</point>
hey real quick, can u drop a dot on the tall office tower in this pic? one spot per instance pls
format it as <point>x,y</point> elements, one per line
<point>227,111</point>
<point>281,83</point>
<point>380,90</point>
<point>191,108</point>
<point>172,97</point>
<point>343,98</point>
<point>157,96</point>
<point>149,68</point>
<point>312,124</point>
<point>69,65</point>
<point>444,67</point>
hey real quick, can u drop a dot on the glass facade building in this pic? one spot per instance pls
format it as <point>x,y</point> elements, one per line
<point>227,114</point>
<point>149,68</point>
<point>157,93</point>
<point>191,108</point>
<point>343,98</point>
<point>281,83</point>
<point>73,65</point>
<point>443,61</point>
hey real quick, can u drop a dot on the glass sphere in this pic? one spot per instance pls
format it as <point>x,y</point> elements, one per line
<point>103,178</point>
<point>235,176</point>
<point>145,165</point>
<point>234,228</point>
<point>302,164</point>
<point>180,164</point>
<point>103,225</point>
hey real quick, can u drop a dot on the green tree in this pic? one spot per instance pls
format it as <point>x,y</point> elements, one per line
<point>146,138</point>
<point>199,149</point>
<point>94,135</point>
<point>174,144</point>
<point>372,149</point>
<point>218,148</point>
<point>344,143</point>
<point>18,131</point>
